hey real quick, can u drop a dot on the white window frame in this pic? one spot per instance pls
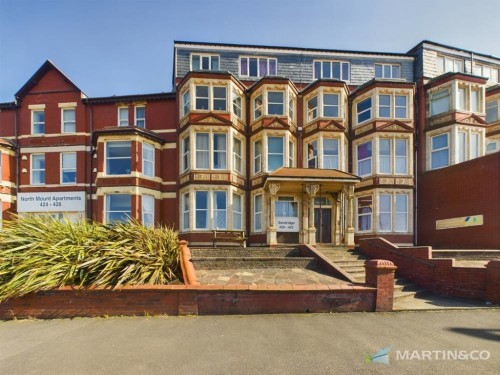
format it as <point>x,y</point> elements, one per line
<point>440,95</point>
<point>259,73</point>
<point>210,63</point>
<point>269,153</point>
<point>123,121</point>
<point>216,152</point>
<point>461,146</point>
<point>65,123</point>
<point>369,214</point>
<point>312,158</point>
<point>257,107</point>
<point>237,156</point>
<point>196,98</point>
<point>291,153</point>
<point>492,105</point>
<point>335,158</point>
<point>359,161</point>
<point>185,211</point>
<point>396,106</point>
<point>322,74</point>
<point>257,215</point>
<point>186,102</point>
<point>257,158</point>
<point>396,213</point>
<point>33,170</point>
<point>145,214</point>
<point>205,210</point>
<point>324,106</point>
<point>198,152</point>
<point>398,157</point>
<point>38,123</point>
<point>218,99</point>
<point>146,162</point>
<point>236,213</point>
<point>185,160</point>
<point>63,169</point>
<point>107,211</point>
<point>433,151</point>
<point>140,122</point>
<point>237,105</point>
<point>383,106</point>
<point>312,112</point>
<point>117,157</point>
<point>389,213</point>
<point>391,67</point>
<point>443,61</point>
<point>369,109</point>
<point>269,103</point>
<point>385,157</point>
<point>217,211</point>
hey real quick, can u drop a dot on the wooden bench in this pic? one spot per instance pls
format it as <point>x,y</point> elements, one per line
<point>229,236</point>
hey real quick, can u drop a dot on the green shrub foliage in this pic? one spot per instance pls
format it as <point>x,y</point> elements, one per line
<point>41,253</point>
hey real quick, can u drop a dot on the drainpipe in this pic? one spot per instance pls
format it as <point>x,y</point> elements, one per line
<point>91,125</point>
<point>18,152</point>
<point>415,169</point>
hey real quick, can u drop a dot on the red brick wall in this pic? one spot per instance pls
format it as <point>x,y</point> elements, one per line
<point>182,300</point>
<point>439,275</point>
<point>470,188</point>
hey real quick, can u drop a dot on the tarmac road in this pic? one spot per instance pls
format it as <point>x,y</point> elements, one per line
<point>259,344</point>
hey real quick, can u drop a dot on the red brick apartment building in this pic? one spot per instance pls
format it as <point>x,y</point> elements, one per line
<point>290,145</point>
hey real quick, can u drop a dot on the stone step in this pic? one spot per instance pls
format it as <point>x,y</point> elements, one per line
<point>243,253</point>
<point>222,263</point>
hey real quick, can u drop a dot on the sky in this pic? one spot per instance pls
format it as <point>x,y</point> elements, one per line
<point>124,47</point>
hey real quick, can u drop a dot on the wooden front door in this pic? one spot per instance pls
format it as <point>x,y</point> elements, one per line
<point>323,224</point>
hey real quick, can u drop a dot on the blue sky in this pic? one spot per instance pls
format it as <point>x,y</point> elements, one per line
<point>119,47</point>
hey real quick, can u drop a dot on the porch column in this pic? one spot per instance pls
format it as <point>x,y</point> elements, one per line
<point>272,236</point>
<point>311,190</point>
<point>349,193</point>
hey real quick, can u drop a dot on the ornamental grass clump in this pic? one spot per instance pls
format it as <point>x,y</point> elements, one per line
<point>41,253</point>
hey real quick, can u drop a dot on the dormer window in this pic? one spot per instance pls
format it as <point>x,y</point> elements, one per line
<point>332,70</point>
<point>204,62</point>
<point>257,66</point>
<point>448,64</point>
<point>387,71</point>
<point>123,116</point>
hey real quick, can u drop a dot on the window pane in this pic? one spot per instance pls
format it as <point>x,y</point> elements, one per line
<point>215,63</point>
<point>219,201</point>
<point>202,97</point>
<point>202,152</point>
<point>118,207</point>
<point>384,106</point>
<point>195,62</point>
<point>262,67</point>
<point>336,71</point>
<point>148,203</point>
<point>492,111</point>
<point>244,67</point>
<point>395,71</point>
<point>474,145</point>
<point>440,159</point>
<point>440,102</point>
<point>317,70</point>
<point>385,156</point>
<point>275,103</point>
<point>201,202</point>
<point>219,98</point>
<point>440,141</point>
<point>461,146</point>
<point>401,156</point>
<point>220,154</point>
<point>385,212</point>
<point>326,70</point>
<point>253,67</point>
<point>330,105</point>
<point>272,67</point>
<point>401,219</point>
<point>400,106</point>
<point>378,71</point>
<point>237,211</point>
<point>474,101</point>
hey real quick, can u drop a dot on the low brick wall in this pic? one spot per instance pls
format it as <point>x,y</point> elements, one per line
<point>438,275</point>
<point>190,300</point>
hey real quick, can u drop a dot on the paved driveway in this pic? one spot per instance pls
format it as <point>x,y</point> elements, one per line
<point>261,344</point>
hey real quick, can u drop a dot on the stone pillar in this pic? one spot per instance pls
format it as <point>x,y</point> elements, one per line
<point>312,190</point>
<point>349,234</point>
<point>380,274</point>
<point>272,235</point>
<point>493,281</point>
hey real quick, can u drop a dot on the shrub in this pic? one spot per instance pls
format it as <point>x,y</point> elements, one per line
<point>42,253</point>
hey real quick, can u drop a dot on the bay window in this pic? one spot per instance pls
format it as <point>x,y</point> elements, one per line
<point>330,153</point>
<point>118,157</point>
<point>330,105</point>
<point>364,213</point>
<point>401,213</point>
<point>275,103</point>
<point>440,152</point>
<point>237,211</point>
<point>219,153</point>
<point>257,214</point>
<point>257,158</point>
<point>364,110</point>
<point>148,210</point>
<point>440,102</point>
<point>118,207</point>
<point>384,212</point>
<point>201,209</point>
<point>492,111</point>
<point>275,153</point>
<point>364,157</point>
<point>237,155</point>
<point>393,156</point>
<point>213,98</point>
<point>220,209</point>
<point>148,160</point>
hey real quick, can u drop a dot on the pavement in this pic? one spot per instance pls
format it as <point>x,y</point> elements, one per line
<point>266,276</point>
<point>420,343</point>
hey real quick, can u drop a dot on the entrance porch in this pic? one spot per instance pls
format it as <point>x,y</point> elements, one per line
<point>309,206</point>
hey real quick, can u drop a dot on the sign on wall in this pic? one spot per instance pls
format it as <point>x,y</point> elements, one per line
<point>287,224</point>
<point>71,201</point>
<point>459,222</point>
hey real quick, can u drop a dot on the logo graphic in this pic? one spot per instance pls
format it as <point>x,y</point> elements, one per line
<point>382,356</point>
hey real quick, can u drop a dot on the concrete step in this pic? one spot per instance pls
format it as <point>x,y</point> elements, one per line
<point>222,263</point>
<point>243,253</point>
